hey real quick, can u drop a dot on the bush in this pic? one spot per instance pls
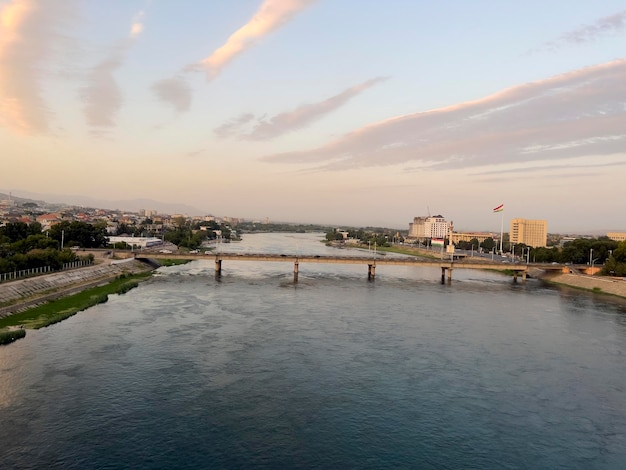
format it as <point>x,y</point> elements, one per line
<point>7,337</point>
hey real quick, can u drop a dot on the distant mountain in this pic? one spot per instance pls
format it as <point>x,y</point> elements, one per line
<point>130,205</point>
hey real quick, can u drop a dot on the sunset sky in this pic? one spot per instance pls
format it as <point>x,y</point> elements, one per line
<point>324,111</point>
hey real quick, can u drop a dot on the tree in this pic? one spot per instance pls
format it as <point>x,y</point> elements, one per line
<point>488,244</point>
<point>79,233</point>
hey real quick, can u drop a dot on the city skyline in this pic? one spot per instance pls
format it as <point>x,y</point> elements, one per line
<point>319,111</point>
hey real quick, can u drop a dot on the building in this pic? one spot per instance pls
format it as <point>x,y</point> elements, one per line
<point>469,236</point>
<point>617,236</point>
<point>416,228</point>
<point>529,232</point>
<point>138,242</point>
<point>428,227</point>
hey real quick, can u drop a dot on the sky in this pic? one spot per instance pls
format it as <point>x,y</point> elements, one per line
<point>345,112</point>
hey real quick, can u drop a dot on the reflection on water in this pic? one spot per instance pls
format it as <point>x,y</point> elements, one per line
<point>336,371</point>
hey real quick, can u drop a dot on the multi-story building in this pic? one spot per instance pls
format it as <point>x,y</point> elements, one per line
<point>416,228</point>
<point>428,227</point>
<point>469,236</point>
<point>529,232</point>
<point>617,236</point>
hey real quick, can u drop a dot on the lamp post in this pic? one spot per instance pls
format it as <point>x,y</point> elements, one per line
<point>593,261</point>
<point>590,255</point>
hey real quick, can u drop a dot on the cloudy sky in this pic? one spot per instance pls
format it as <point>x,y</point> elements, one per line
<point>332,111</point>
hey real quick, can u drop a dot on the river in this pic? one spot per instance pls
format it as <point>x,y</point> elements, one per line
<point>252,371</point>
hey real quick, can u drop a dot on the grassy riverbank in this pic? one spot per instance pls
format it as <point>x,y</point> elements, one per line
<point>173,262</point>
<point>60,309</point>
<point>402,250</point>
<point>9,336</point>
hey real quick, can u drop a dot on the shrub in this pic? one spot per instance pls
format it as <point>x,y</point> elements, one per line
<point>7,337</point>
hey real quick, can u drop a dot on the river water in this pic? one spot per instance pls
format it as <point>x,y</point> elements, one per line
<point>252,371</point>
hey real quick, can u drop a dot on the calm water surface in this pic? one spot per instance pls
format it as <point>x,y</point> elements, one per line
<point>337,372</point>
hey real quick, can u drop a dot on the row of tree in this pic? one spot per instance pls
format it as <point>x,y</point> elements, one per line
<point>25,246</point>
<point>183,233</point>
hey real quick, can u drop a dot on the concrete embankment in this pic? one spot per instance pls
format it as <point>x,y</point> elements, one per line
<point>604,284</point>
<point>18,296</point>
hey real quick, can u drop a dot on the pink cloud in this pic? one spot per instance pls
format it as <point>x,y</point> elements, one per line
<point>28,38</point>
<point>270,16</point>
<point>577,113</point>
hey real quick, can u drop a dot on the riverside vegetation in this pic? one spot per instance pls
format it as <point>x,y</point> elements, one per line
<point>60,309</point>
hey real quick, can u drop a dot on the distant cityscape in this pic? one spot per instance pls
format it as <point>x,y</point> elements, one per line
<point>529,232</point>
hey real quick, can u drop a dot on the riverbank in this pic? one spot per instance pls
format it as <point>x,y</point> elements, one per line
<point>62,308</point>
<point>43,300</point>
<point>18,296</point>
<point>596,284</point>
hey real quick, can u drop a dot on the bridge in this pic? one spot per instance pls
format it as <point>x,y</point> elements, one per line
<point>446,266</point>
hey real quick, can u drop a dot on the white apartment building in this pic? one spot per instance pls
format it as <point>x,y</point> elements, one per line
<point>428,227</point>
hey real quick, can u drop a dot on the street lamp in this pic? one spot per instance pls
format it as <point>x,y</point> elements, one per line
<point>593,261</point>
<point>590,255</point>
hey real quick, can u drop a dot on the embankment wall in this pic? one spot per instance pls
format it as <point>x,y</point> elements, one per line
<point>17,296</point>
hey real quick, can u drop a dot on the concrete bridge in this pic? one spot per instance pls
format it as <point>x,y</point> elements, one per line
<point>446,266</point>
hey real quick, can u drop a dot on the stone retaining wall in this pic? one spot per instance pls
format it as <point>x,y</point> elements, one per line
<point>19,295</point>
<point>608,285</point>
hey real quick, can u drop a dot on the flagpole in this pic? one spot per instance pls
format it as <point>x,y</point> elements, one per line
<point>501,232</point>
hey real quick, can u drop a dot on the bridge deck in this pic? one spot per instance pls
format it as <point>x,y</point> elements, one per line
<point>330,259</point>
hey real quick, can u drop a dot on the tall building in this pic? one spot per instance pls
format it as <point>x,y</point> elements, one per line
<point>428,227</point>
<point>416,228</point>
<point>529,232</point>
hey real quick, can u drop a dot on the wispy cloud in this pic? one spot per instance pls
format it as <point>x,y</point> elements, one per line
<point>234,126</point>
<point>102,96</point>
<point>175,91</point>
<point>550,168</point>
<point>271,15</point>
<point>574,114</point>
<point>28,37</point>
<point>290,121</point>
<point>588,33</point>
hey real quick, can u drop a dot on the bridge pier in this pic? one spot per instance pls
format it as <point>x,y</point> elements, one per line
<point>516,273</point>
<point>295,271</point>
<point>218,267</point>
<point>371,272</point>
<point>443,274</point>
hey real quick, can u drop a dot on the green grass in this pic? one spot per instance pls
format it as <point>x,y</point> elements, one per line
<point>60,309</point>
<point>7,337</point>
<point>405,250</point>
<point>173,262</point>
